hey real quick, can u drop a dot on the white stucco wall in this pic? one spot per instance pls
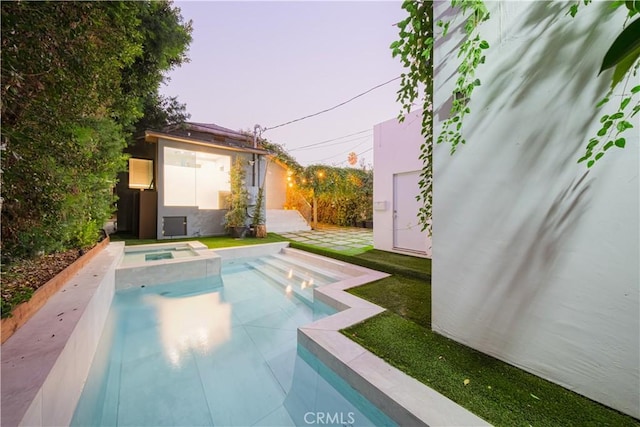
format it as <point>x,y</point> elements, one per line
<point>396,150</point>
<point>534,261</point>
<point>276,186</point>
<point>200,222</point>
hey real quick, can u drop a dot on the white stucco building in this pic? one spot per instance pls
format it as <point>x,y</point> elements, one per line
<point>396,173</point>
<point>536,261</point>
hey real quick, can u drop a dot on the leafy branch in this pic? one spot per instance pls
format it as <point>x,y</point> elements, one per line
<point>624,57</point>
<point>414,47</point>
<point>472,54</point>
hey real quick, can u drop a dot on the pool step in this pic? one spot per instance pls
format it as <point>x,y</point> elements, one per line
<point>305,265</point>
<point>297,271</point>
<point>275,276</point>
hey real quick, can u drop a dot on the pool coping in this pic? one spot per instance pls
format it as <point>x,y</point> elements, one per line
<point>403,398</point>
<point>26,310</point>
<point>54,349</point>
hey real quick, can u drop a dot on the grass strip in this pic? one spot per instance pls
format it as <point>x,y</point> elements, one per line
<point>496,391</point>
<point>211,242</point>
<point>419,268</point>
<point>407,296</point>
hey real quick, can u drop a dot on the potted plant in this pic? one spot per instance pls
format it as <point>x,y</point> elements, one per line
<point>236,217</point>
<point>258,220</point>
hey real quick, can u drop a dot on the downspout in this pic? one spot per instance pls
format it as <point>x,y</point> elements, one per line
<point>256,129</point>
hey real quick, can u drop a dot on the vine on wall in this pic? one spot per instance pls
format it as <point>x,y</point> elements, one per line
<point>414,47</point>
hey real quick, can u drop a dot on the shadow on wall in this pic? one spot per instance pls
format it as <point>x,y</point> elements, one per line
<point>543,140</point>
<point>538,253</point>
<point>569,47</point>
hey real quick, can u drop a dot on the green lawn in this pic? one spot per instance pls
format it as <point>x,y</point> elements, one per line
<point>391,263</point>
<point>496,391</point>
<point>336,254</point>
<point>211,242</point>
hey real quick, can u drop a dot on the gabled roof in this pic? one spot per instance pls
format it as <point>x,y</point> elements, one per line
<point>206,134</point>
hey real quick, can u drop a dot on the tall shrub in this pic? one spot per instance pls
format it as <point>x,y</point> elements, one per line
<point>76,77</point>
<point>344,195</point>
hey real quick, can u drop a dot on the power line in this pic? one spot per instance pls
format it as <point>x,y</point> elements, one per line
<point>346,152</point>
<point>334,107</point>
<point>335,143</point>
<point>330,140</point>
<point>359,154</point>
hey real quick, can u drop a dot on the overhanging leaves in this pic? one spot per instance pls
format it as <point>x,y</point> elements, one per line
<point>625,45</point>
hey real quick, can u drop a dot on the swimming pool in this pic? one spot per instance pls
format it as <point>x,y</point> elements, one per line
<point>220,351</point>
<point>161,263</point>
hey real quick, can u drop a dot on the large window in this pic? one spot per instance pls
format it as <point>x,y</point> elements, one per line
<point>140,173</point>
<point>192,178</point>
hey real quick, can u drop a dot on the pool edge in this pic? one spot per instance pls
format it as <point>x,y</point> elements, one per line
<point>403,398</point>
<point>63,333</point>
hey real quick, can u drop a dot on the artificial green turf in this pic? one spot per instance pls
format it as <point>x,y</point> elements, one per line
<point>419,268</point>
<point>211,242</point>
<point>497,392</point>
<point>402,264</point>
<point>407,296</point>
<point>349,252</point>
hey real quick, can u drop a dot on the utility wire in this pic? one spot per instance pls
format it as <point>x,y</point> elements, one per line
<point>330,140</point>
<point>359,154</point>
<point>335,143</point>
<point>346,152</point>
<point>334,107</point>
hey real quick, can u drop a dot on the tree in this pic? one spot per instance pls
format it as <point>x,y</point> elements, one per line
<point>75,77</point>
<point>344,195</point>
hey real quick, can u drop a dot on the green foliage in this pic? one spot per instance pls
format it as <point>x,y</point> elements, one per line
<point>76,77</point>
<point>237,214</point>
<point>19,296</point>
<point>573,9</point>
<point>344,195</point>
<point>414,49</point>
<point>612,127</point>
<point>258,215</point>
<point>472,53</point>
<point>164,38</point>
<point>161,111</point>
<point>627,44</point>
<point>624,57</point>
<point>282,155</point>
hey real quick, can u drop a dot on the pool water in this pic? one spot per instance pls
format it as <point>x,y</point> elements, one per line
<point>216,351</point>
<point>135,256</point>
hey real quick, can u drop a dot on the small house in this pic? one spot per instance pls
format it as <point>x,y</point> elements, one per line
<point>177,183</point>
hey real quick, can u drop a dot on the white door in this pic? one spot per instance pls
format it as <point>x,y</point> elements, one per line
<point>406,229</point>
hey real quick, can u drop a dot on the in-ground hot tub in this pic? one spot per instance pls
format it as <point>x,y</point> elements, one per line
<point>165,263</point>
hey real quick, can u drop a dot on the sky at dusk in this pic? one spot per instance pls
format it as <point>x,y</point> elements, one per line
<point>271,62</point>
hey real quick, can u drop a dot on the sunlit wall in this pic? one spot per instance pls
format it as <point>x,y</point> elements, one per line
<point>536,261</point>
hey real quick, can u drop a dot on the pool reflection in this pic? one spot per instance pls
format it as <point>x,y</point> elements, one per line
<point>198,323</point>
